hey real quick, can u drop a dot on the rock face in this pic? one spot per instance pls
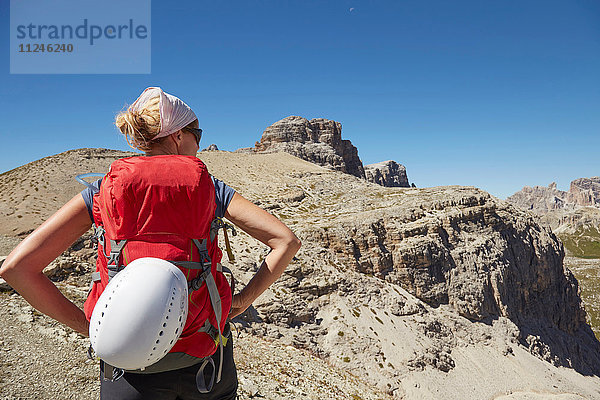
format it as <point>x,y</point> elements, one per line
<point>539,199</point>
<point>212,147</point>
<point>574,214</point>
<point>387,173</point>
<point>585,192</point>
<point>318,141</point>
<point>460,247</point>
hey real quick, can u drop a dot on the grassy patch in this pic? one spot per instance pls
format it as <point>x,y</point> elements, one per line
<point>588,276</point>
<point>584,243</point>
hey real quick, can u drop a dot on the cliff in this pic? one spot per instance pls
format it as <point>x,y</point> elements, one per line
<point>318,141</point>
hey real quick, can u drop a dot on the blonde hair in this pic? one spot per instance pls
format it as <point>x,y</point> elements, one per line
<point>140,127</point>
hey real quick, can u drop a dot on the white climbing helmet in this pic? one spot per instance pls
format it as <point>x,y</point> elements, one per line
<point>140,315</point>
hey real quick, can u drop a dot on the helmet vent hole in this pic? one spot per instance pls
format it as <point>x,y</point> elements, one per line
<point>176,331</point>
<point>171,342</point>
<point>165,325</point>
<point>102,315</point>
<point>157,341</point>
<point>171,304</point>
<point>154,348</point>
<point>169,310</point>
<point>161,333</point>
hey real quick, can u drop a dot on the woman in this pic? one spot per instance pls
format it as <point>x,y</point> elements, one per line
<point>161,125</point>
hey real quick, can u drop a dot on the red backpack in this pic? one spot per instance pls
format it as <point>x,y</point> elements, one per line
<point>164,207</point>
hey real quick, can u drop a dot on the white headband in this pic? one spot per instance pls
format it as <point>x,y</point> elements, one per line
<point>174,113</point>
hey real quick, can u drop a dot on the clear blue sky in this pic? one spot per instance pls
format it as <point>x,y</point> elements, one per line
<point>494,94</point>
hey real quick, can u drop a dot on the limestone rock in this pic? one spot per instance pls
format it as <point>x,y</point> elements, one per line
<point>3,285</point>
<point>212,147</point>
<point>464,249</point>
<point>318,141</point>
<point>585,192</point>
<point>387,173</point>
<point>574,214</point>
<point>539,199</point>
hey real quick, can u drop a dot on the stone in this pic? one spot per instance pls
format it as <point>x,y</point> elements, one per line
<point>212,147</point>
<point>585,192</point>
<point>4,287</point>
<point>539,199</point>
<point>387,173</point>
<point>318,141</point>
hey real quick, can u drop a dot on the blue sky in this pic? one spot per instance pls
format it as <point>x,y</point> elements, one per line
<point>491,94</point>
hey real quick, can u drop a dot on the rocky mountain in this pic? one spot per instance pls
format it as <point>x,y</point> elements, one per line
<point>539,199</point>
<point>574,214</point>
<point>320,141</point>
<point>435,293</point>
<point>387,173</point>
<point>583,192</point>
<point>212,147</point>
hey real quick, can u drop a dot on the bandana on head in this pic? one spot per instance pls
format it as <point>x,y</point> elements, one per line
<point>174,113</point>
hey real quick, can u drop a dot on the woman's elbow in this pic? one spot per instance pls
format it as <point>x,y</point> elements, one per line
<point>7,270</point>
<point>293,243</point>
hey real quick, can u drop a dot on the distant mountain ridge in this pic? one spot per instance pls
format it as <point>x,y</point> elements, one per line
<point>574,215</point>
<point>583,192</point>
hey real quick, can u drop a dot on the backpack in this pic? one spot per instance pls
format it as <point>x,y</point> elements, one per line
<point>164,206</point>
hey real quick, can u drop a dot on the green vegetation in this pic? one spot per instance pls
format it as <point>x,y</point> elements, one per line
<point>584,243</point>
<point>588,276</point>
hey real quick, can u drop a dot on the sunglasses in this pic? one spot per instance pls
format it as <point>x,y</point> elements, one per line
<point>196,131</point>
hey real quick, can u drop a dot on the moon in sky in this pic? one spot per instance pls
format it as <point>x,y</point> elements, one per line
<point>351,9</point>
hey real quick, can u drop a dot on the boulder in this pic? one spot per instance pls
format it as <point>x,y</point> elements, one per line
<point>387,173</point>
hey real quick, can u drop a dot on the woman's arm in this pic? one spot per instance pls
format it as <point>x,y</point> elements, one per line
<point>23,267</point>
<point>265,227</point>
